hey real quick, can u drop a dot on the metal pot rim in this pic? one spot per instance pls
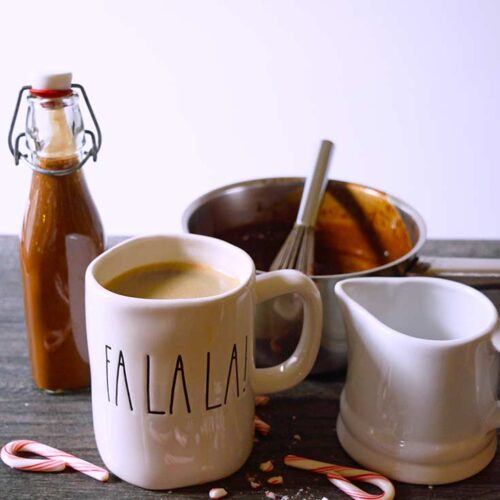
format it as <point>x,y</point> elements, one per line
<point>397,202</point>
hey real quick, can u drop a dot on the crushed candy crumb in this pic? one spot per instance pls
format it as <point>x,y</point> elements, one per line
<point>263,427</point>
<point>261,400</point>
<point>275,480</point>
<point>266,466</point>
<point>217,493</point>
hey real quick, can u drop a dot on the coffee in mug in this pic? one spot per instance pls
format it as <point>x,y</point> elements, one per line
<point>174,379</point>
<point>171,280</point>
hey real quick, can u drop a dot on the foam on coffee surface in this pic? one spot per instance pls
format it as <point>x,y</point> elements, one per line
<point>172,280</point>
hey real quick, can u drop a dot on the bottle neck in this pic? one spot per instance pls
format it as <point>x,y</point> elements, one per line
<point>55,134</point>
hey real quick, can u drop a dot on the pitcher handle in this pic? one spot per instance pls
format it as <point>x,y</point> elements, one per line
<point>294,369</point>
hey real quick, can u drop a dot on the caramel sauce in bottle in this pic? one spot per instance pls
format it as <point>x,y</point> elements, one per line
<point>62,233</point>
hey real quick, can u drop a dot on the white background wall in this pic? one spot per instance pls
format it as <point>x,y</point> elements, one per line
<point>194,95</point>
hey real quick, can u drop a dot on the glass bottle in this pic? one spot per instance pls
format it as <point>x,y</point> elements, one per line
<point>61,234</point>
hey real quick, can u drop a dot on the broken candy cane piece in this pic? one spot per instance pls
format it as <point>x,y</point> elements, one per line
<point>261,400</point>
<point>55,460</point>
<point>263,427</point>
<point>275,480</point>
<point>254,482</point>
<point>266,466</point>
<point>217,493</point>
<point>340,476</point>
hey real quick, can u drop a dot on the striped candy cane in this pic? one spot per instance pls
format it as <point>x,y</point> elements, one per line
<point>54,461</point>
<point>339,476</point>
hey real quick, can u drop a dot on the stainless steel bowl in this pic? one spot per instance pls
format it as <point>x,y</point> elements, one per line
<point>266,200</point>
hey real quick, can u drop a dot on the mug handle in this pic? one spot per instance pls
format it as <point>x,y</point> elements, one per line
<point>294,369</point>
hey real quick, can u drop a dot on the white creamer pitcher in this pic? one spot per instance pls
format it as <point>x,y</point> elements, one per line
<point>420,400</point>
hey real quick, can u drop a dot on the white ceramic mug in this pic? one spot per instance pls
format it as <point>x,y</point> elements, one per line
<point>420,400</point>
<point>173,381</point>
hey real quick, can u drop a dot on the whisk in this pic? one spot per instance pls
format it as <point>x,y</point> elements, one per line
<point>297,251</point>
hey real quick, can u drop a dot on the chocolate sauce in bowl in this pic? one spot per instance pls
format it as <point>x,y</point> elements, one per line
<point>353,234</point>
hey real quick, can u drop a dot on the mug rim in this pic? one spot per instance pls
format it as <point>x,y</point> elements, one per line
<point>92,281</point>
<point>489,329</point>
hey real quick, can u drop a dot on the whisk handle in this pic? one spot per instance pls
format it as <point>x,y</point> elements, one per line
<point>314,187</point>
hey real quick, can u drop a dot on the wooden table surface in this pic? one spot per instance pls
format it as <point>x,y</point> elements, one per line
<point>308,411</point>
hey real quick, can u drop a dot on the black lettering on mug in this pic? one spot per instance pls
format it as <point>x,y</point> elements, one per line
<point>121,365</point>
<point>208,406</point>
<point>179,368</point>
<point>148,390</point>
<point>245,366</point>
<point>123,377</point>
<point>107,348</point>
<point>234,359</point>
